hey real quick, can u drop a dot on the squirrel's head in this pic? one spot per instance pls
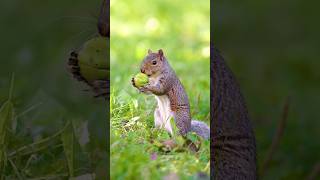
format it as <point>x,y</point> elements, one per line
<point>153,63</point>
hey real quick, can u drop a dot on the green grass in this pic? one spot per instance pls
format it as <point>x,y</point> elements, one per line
<point>69,151</point>
<point>133,138</point>
<point>45,96</point>
<point>181,29</point>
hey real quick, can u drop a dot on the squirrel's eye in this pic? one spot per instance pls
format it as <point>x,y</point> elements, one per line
<point>154,62</point>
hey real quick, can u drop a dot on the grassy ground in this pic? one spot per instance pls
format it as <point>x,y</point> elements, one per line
<point>180,29</point>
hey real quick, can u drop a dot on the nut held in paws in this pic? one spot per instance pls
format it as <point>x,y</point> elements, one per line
<point>141,79</point>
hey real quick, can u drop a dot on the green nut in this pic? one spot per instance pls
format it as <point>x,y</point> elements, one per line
<point>91,74</point>
<point>141,79</point>
<point>94,59</point>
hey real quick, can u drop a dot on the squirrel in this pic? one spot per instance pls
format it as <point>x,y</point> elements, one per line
<point>233,146</point>
<point>171,96</point>
<point>100,87</point>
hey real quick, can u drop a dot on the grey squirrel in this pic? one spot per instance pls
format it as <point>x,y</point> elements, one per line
<point>233,147</point>
<point>171,97</point>
<point>99,87</point>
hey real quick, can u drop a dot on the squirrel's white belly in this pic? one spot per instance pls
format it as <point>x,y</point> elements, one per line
<point>163,113</point>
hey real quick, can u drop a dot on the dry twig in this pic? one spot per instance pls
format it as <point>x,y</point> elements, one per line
<point>276,139</point>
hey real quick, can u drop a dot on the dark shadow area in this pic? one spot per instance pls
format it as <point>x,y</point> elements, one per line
<point>58,129</point>
<point>273,49</point>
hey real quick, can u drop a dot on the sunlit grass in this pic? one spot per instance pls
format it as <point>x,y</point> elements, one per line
<point>132,144</point>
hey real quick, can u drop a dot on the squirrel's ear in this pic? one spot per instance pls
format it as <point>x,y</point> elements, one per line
<point>160,52</point>
<point>149,51</point>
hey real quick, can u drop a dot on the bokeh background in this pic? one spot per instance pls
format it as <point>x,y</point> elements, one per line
<point>37,37</point>
<point>182,30</point>
<point>273,49</point>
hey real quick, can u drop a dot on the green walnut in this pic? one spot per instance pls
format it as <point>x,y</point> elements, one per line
<point>93,59</point>
<point>141,79</point>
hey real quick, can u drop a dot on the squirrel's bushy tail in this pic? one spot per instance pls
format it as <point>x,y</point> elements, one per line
<point>201,128</point>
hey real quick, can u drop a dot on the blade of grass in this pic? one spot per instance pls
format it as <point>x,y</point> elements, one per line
<point>15,169</point>
<point>67,138</point>
<point>15,119</point>
<point>6,115</point>
<point>30,148</point>
<point>11,87</point>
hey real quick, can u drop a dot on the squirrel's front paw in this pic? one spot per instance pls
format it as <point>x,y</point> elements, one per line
<point>133,83</point>
<point>144,89</point>
<point>101,88</point>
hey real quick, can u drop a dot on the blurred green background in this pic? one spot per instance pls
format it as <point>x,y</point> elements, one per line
<point>273,49</point>
<point>182,30</point>
<point>37,37</point>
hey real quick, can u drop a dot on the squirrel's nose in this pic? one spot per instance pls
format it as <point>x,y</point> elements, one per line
<point>142,70</point>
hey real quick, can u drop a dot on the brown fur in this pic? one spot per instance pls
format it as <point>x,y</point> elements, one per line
<point>233,148</point>
<point>156,66</point>
<point>104,19</point>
